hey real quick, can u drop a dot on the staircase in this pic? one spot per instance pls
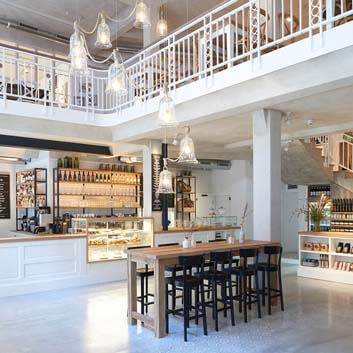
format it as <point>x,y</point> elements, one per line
<point>335,156</point>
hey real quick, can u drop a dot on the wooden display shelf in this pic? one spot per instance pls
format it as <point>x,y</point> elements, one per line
<point>342,212</point>
<point>103,207</point>
<point>97,183</point>
<point>315,252</point>
<point>341,254</point>
<point>98,171</point>
<point>187,210</point>
<point>86,195</point>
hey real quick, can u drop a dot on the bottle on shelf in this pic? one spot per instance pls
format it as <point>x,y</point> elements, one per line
<point>60,163</point>
<point>70,176</point>
<point>65,176</point>
<point>60,176</point>
<point>97,178</point>
<point>76,163</point>
<point>79,176</point>
<point>83,176</point>
<point>74,176</point>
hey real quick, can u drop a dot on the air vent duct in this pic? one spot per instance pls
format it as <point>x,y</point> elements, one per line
<point>204,164</point>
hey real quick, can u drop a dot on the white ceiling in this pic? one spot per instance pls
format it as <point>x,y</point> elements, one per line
<point>215,138</point>
<point>57,16</point>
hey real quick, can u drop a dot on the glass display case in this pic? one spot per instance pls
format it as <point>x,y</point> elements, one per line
<point>109,237</point>
<point>223,221</point>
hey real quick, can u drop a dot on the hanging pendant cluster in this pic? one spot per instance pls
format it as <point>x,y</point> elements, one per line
<point>79,52</point>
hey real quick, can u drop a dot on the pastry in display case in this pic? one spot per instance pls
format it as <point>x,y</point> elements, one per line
<point>109,237</point>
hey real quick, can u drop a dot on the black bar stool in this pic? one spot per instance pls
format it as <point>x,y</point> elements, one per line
<point>245,273</point>
<point>267,268</point>
<point>223,279</point>
<point>189,282</point>
<point>235,261</point>
<point>144,273</point>
<point>173,270</point>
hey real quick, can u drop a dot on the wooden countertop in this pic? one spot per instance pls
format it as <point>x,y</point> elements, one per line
<point>329,234</point>
<point>195,229</point>
<point>25,236</point>
<point>166,252</point>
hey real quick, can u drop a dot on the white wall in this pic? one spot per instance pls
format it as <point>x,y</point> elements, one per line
<point>292,201</point>
<point>236,182</point>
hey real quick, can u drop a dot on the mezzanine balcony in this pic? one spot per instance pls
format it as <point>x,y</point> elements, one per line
<point>235,42</point>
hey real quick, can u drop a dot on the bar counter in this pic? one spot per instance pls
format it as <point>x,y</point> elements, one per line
<point>19,236</point>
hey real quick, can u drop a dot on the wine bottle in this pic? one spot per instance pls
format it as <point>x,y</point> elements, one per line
<point>105,178</point>
<point>97,178</point>
<point>70,176</point>
<point>108,179</point>
<point>83,177</point>
<point>100,178</point>
<point>79,176</point>
<point>92,177</point>
<point>74,177</point>
<point>60,176</point>
<point>65,176</point>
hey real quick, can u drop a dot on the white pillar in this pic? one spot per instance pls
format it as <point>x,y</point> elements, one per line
<point>267,174</point>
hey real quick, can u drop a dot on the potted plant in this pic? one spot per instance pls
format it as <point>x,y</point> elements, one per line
<point>315,211</point>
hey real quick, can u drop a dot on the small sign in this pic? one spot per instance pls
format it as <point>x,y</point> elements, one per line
<point>4,196</point>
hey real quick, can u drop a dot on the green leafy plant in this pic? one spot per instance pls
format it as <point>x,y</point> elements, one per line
<point>315,212</point>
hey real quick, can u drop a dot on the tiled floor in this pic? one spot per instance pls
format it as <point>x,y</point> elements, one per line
<point>318,318</point>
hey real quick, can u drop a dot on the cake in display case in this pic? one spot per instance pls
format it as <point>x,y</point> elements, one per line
<point>109,237</point>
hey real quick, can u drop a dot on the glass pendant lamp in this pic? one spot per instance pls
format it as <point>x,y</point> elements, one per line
<point>187,149</point>
<point>78,55</point>
<point>162,25</point>
<point>166,113</point>
<point>103,35</point>
<point>142,19</point>
<point>165,180</point>
<point>116,77</point>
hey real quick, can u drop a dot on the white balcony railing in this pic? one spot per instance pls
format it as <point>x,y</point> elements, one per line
<point>232,33</point>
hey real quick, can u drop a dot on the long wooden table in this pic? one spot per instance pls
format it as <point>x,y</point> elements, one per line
<point>158,258</point>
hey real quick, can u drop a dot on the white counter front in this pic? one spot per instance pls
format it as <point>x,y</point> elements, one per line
<point>34,264</point>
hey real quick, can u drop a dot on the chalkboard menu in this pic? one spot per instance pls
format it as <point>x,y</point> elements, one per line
<point>4,196</point>
<point>157,163</point>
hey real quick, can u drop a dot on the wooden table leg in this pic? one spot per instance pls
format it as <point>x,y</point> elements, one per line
<point>274,278</point>
<point>159,300</point>
<point>132,290</point>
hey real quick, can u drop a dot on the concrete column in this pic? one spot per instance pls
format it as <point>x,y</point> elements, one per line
<point>267,174</point>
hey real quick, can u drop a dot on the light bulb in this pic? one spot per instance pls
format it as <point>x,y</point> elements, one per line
<point>165,180</point>
<point>162,27</point>
<point>103,35</point>
<point>116,78</point>
<point>187,149</point>
<point>78,55</point>
<point>142,19</point>
<point>166,113</point>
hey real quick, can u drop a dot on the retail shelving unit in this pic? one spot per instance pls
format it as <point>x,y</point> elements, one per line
<point>96,189</point>
<point>334,271</point>
<point>182,197</point>
<point>31,192</point>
